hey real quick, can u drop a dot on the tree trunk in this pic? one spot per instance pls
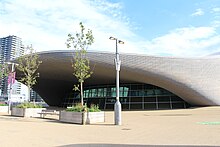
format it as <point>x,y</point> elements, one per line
<point>81,92</point>
<point>29,94</point>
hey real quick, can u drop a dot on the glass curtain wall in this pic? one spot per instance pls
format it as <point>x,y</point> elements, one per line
<point>132,97</point>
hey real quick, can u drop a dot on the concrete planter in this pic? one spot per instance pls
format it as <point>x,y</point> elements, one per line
<point>26,112</point>
<point>3,108</point>
<point>95,117</point>
<point>76,117</point>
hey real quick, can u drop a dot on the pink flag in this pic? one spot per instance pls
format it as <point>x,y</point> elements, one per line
<point>11,78</point>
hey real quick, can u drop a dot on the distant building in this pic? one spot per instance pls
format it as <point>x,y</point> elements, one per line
<point>35,97</point>
<point>11,47</point>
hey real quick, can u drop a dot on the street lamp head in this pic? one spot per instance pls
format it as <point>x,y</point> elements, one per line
<point>9,63</point>
<point>121,42</point>
<point>112,38</point>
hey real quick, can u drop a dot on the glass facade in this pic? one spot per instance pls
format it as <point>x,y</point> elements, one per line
<point>132,97</point>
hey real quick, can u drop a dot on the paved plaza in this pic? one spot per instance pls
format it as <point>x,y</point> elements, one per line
<point>183,127</point>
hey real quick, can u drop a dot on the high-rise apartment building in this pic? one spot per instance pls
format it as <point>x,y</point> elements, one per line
<point>11,47</point>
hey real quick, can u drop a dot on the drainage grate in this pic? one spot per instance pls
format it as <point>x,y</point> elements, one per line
<point>126,129</point>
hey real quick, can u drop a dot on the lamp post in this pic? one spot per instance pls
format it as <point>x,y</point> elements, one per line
<point>10,86</point>
<point>117,106</point>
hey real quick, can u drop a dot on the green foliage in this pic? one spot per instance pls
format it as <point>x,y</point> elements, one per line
<point>81,66</point>
<point>28,105</point>
<point>28,65</point>
<point>4,70</point>
<point>94,108</point>
<point>80,63</point>
<point>76,87</point>
<point>77,108</point>
<point>3,104</point>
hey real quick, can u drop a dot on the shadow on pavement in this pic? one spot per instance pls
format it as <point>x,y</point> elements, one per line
<point>54,120</point>
<point>6,116</point>
<point>129,145</point>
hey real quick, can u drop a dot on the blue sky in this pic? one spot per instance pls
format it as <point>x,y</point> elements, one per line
<point>182,28</point>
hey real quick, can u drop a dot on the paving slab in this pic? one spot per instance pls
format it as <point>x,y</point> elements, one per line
<point>182,127</point>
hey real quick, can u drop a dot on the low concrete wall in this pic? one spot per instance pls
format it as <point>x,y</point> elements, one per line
<point>71,117</point>
<point>26,112</point>
<point>17,112</point>
<point>95,117</point>
<point>76,117</point>
<point>3,108</point>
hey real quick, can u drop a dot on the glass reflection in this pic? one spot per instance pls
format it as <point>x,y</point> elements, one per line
<point>132,97</point>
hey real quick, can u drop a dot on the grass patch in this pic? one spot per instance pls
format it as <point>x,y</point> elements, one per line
<point>210,123</point>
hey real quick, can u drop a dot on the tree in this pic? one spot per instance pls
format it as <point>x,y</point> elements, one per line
<point>80,63</point>
<point>28,65</point>
<point>4,70</point>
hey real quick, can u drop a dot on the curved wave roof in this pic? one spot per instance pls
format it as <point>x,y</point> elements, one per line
<point>195,80</point>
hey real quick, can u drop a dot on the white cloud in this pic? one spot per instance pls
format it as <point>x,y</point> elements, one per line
<point>216,9</point>
<point>198,12</point>
<point>215,23</point>
<point>45,24</point>
<point>186,42</point>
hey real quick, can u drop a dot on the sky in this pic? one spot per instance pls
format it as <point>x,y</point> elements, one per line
<point>179,28</point>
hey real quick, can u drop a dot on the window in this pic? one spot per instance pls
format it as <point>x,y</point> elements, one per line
<point>132,97</point>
